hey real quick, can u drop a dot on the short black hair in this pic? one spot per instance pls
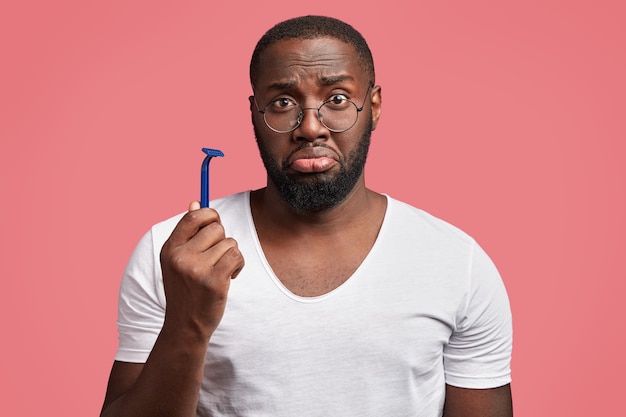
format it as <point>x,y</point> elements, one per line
<point>311,27</point>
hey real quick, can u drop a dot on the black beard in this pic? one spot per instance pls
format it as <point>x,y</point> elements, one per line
<point>316,192</point>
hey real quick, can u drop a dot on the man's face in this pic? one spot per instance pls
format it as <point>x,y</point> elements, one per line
<point>313,168</point>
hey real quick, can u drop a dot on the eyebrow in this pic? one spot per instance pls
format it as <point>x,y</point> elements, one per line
<point>335,79</point>
<point>323,82</point>
<point>281,85</point>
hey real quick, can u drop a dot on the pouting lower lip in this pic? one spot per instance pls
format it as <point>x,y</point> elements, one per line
<point>311,151</point>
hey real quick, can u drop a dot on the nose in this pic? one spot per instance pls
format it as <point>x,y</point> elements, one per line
<point>310,128</point>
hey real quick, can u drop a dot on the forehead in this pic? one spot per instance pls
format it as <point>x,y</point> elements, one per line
<point>321,60</point>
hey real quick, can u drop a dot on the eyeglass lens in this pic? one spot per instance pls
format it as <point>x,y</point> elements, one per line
<point>285,115</point>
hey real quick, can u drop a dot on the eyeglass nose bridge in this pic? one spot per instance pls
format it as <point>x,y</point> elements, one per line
<point>301,116</point>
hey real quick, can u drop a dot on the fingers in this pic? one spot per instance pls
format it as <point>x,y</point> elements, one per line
<point>199,240</point>
<point>221,259</point>
<point>206,237</point>
<point>230,262</point>
<point>191,223</point>
<point>194,205</point>
<point>198,261</point>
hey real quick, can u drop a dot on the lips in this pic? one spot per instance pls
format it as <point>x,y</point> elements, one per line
<point>312,159</point>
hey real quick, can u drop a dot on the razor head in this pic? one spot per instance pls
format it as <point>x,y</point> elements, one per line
<point>212,152</point>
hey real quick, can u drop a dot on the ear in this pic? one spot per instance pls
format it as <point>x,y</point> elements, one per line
<point>252,104</point>
<point>376,103</point>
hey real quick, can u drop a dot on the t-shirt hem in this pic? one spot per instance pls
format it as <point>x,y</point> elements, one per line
<point>132,356</point>
<point>478,383</point>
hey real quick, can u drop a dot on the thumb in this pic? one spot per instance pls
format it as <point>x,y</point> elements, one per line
<point>194,205</point>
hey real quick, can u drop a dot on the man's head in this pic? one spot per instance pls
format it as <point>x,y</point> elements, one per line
<point>313,110</point>
<point>310,27</point>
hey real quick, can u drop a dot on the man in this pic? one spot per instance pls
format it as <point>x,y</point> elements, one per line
<point>350,303</point>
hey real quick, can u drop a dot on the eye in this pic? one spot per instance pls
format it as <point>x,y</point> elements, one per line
<point>338,99</point>
<point>282,104</point>
<point>337,102</point>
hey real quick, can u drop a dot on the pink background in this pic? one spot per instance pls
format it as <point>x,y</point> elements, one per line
<point>506,120</point>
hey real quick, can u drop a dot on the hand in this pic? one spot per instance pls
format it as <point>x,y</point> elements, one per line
<point>198,261</point>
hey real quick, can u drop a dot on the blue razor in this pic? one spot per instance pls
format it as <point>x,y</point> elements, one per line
<point>204,175</point>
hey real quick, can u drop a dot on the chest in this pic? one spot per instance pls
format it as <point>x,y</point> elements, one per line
<point>313,270</point>
<point>369,349</point>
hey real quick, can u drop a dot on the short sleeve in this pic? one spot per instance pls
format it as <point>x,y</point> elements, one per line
<point>478,354</point>
<point>141,304</point>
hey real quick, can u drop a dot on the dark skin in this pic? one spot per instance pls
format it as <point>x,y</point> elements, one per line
<point>463,402</point>
<point>198,261</point>
<point>299,245</point>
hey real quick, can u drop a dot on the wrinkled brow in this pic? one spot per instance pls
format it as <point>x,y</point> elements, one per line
<point>334,79</point>
<point>324,81</point>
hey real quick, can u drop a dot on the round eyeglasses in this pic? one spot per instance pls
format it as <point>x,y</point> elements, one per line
<point>338,114</point>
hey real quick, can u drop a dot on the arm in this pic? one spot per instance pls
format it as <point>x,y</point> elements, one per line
<point>493,402</point>
<point>197,262</point>
<point>478,354</point>
<point>168,384</point>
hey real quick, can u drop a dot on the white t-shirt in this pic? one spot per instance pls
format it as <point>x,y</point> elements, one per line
<point>425,308</point>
